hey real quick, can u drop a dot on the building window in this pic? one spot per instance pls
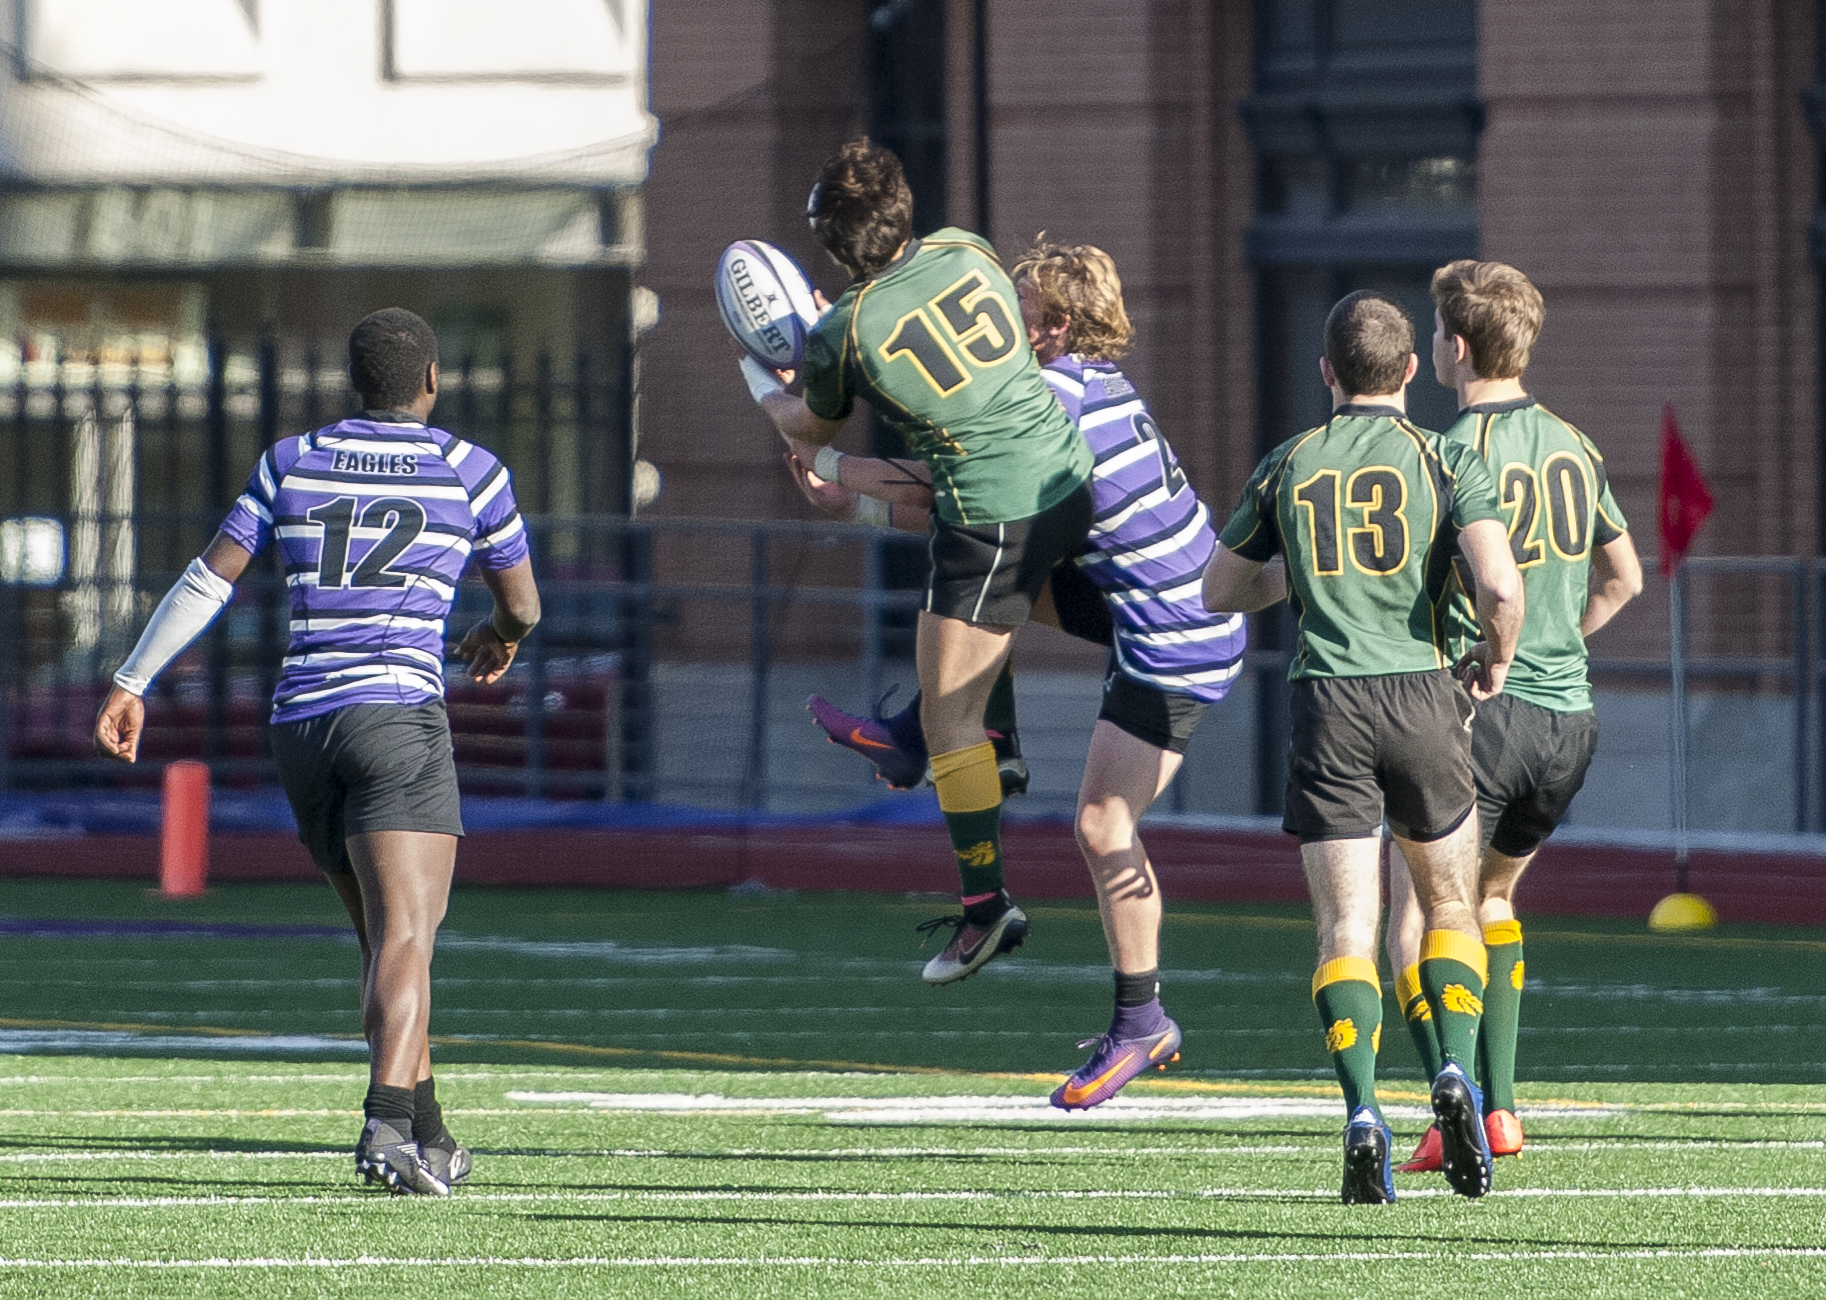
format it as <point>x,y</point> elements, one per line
<point>1814,100</point>
<point>1364,119</point>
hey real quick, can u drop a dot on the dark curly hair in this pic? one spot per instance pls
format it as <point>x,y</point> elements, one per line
<point>389,353</point>
<point>861,209</point>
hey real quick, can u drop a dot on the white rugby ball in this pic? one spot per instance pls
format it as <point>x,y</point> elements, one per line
<point>766,302</point>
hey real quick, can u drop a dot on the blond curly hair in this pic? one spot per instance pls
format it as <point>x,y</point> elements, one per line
<point>1078,282</point>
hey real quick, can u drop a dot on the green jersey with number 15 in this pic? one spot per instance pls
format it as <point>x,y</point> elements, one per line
<point>934,342</point>
<point>1367,509</point>
<point>1558,505</point>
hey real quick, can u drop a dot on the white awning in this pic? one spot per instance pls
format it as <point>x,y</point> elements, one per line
<point>327,93</point>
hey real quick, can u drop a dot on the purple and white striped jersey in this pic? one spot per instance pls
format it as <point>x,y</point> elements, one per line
<point>376,520</point>
<point>1150,540</point>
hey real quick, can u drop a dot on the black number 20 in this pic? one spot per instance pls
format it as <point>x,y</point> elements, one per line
<point>403,519</point>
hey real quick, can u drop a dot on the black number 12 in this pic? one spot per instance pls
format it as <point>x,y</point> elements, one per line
<point>403,519</point>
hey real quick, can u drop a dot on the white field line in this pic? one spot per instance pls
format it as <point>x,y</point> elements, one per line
<point>925,1261</point>
<point>733,1153</point>
<point>1316,1194</point>
<point>903,1110</point>
<point>901,1153</point>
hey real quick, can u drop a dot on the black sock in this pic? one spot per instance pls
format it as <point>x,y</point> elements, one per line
<point>391,1104</point>
<point>905,727</point>
<point>1137,990</point>
<point>427,1116</point>
<point>998,713</point>
<point>989,909</point>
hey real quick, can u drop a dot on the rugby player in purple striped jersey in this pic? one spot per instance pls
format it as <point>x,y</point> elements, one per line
<point>1135,587</point>
<point>376,518</point>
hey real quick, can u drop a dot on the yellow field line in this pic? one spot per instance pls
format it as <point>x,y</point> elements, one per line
<point>1729,942</point>
<point>1203,1087</point>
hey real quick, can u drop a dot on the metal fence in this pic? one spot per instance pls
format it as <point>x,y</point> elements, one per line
<point>669,645</point>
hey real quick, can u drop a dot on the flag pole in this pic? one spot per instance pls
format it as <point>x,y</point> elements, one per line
<point>1677,725</point>
<point>1685,502</point>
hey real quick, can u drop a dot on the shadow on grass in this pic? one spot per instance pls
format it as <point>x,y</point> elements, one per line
<point>1343,1238</point>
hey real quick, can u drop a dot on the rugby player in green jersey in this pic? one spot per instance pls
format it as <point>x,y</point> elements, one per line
<point>1370,513</point>
<point>1531,747</point>
<point>929,334</point>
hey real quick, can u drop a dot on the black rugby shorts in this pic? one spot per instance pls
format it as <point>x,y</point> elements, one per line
<point>992,573</point>
<point>1368,749</point>
<point>1156,717</point>
<point>1529,763</point>
<point>368,767</point>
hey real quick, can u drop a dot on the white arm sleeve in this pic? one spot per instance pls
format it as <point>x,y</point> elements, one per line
<point>762,382</point>
<point>187,610</point>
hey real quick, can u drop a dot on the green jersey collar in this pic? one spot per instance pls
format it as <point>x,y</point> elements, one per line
<point>906,255</point>
<point>1370,408</point>
<point>1521,403</point>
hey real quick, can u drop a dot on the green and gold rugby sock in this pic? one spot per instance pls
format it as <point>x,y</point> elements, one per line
<point>1452,971</point>
<point>970,796</point>
<point>998,714</point>
<point>1502,1015</point>
<point>1348,993</point>
<point>1419,1016</point>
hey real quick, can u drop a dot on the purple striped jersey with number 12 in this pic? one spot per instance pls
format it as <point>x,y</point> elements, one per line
<point>1150,540</point>
<point>375,522</point>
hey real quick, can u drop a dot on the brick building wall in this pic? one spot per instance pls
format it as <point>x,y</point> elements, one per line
<point>1649,166</point>
<point>1116,129</point>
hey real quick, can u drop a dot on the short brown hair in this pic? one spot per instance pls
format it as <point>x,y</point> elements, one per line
<point>1079,282</point>
<point>1368,340</point>
<point>861,209</point>
<point>1495,309</point>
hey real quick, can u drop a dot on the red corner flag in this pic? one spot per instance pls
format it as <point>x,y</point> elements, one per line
<point>1685,498</point>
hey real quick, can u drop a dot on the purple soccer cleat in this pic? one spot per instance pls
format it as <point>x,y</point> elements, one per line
<point>900,763</point>
<point>1113,1064</point>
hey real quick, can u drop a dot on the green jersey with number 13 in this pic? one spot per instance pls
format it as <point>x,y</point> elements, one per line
<point>934,342</point>
<point>1367,509</point>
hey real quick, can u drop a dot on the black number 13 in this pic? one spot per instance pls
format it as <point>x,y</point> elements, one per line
<point>1379,544</point>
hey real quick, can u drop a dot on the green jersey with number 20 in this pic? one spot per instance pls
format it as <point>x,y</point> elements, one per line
<point>934,342</point>
<point>1367,509</point>
<point>1557,504</point>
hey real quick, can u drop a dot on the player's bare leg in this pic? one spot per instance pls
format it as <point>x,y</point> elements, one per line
<point>958,665</point>
<point>1344,878</point>
<point>403,878</point>
<point>1453,970</point>
<point>1123,775</point>
<point>448,1160</point>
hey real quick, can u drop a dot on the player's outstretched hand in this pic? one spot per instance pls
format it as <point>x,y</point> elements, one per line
<point>119,724</point>
<point>785,377</point>
<point>832,498</point>
<point>488,655</point>
<point>1482,678</point>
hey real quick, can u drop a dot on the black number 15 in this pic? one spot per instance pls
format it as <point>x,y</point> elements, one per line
<point>968,326</point>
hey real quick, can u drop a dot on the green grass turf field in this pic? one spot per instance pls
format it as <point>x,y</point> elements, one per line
<point>694,1094</point>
